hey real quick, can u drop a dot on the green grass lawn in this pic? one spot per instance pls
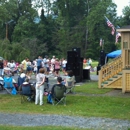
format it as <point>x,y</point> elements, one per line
<point>91,88</point>
<point>88,101</point>
<point>94,63</point>
<point>78,104</point>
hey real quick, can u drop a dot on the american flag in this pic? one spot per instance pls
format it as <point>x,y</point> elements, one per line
<point>117,36</point>
<point>110,25</point>
<point>100,41</point>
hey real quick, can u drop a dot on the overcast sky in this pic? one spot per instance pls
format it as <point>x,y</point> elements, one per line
<point>120,5</point>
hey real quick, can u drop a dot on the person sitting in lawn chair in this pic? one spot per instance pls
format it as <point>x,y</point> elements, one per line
<point>24,91</point>
<point>54,94</point>
<point>69,81</point>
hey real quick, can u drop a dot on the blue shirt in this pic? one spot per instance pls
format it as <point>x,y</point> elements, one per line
<point>39,62</point>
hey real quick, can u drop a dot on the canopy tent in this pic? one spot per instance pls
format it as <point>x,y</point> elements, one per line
<point>114,54</point>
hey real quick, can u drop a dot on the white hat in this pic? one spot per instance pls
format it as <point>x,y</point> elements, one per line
<point>22,75</point>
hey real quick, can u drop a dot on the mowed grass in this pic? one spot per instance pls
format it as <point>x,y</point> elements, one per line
<point>94,63</point>
<point>79,104</point>
<point>91,88</point>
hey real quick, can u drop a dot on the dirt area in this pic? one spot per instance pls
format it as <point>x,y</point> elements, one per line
<point>117,92</point>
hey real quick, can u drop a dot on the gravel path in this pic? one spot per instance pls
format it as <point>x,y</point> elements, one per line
<point>58,120</point>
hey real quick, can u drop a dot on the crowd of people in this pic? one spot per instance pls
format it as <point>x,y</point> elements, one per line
<point>52,65</point>
<point>41,67</point>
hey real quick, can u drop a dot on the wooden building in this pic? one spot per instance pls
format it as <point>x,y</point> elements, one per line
<point>116,74</point>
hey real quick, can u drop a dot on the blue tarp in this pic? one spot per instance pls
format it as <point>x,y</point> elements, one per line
<point>114,54</point>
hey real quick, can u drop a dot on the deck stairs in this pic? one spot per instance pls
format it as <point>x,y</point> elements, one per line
<point>110,75</point>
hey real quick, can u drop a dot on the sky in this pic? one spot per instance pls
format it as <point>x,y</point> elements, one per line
<point>120,5</point>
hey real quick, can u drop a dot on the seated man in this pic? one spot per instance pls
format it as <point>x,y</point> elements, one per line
<point>52,93</point>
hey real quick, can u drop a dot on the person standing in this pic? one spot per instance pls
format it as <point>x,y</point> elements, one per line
<point>40,79</point>
<point>39,63</point>
<point>24,65</point>
<point>57,67</point>
<point>64,62</point>
<point>53,65</point>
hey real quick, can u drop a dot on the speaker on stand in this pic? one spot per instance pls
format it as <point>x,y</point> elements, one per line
<point>102,57</point>
<point>75,63</point>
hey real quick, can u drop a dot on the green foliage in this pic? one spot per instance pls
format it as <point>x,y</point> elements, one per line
<point>126,19</point>
<point>13,51</point>
<point>34,47</point>
<point>62,25</point>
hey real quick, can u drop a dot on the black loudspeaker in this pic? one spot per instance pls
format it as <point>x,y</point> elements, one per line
<point>86,74</point>
<point>76,68</point>
<point>71,57</point>
<point>70,66</point>
<point>78,50</point>
<point>102,57</point>
<point>81,59</point>
<point>98,68</point>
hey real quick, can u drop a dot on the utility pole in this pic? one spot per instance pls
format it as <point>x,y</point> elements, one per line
<point>7,24</point>
<point>86,38</point>
<point>7,30</point>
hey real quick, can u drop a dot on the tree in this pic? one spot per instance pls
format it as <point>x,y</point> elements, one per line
<point>13,51</point>
<point>126,18</point>
<point>99,29</point>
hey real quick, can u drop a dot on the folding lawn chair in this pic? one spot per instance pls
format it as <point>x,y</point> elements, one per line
<point>59,95</point>
<point>26,93</point>
<point>8,84</point>
<point>70,84</point>
<point>1,83</point>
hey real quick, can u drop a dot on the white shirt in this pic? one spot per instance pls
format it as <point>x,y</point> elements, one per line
<point>52,61</point>
<point>64,62</point>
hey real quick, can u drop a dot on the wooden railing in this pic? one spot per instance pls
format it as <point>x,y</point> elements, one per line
<point>110,69</point>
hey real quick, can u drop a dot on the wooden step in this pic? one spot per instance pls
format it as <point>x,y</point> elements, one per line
<point>105,82</point>
<point>115,76</point>
<point>120,73</point>
<point>111,79</point>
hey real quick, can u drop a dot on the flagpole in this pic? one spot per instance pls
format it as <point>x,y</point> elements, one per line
<point>111,22</point>
<point>102,44</point>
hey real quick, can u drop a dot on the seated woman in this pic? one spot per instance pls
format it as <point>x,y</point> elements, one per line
<point>69,81</point>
